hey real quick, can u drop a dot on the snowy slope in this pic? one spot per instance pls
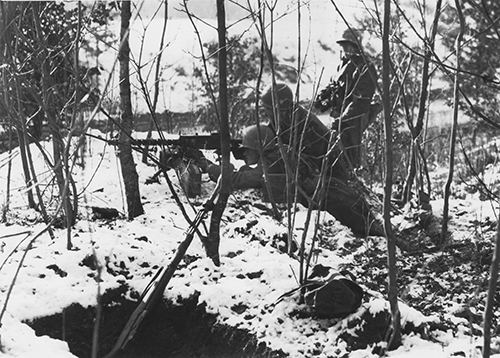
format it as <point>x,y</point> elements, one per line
<point>252,275</point>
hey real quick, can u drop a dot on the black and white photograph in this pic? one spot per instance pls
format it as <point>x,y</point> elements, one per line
<point>250,178</point>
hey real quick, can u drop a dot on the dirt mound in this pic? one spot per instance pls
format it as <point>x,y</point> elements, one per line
<point>183,329</point>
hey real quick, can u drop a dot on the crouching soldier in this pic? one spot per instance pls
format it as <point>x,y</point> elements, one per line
<point>321,181</point>
<point>259,149</point>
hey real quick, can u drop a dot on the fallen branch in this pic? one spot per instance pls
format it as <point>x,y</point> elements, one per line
<point>154,291</point>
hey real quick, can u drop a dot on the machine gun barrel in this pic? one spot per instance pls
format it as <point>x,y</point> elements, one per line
<point>209,141</point>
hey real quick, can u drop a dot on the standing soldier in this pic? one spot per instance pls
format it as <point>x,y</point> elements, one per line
<point>348,97</point>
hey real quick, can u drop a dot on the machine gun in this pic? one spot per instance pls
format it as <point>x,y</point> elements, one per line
<point>185,144</point>
<point>330,98</point>
<point>182,154</point>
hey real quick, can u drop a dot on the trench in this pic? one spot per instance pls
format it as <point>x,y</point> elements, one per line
<point>181,330</point>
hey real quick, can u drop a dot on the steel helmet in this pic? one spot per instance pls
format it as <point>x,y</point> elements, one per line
<point>351,35</point>
<point>251,137</point>
<point>284,94</point>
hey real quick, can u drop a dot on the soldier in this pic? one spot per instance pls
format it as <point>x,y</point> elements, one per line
<point>289,121</point>
<point>343,195</point>
<point>251,174</point>
<point>310,137</point>
<point>348,97</point>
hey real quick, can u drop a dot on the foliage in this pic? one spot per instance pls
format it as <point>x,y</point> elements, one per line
<point>98,16</point>
<point>480,55</point>
<point>405,103</point>
<point>59,28</point>
<point>243,56</point>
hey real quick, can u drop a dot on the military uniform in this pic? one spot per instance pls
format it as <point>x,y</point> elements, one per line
<point>295,120</point>
<point>357,79</point>
<point>342,195</point>
<point>251,175</point>
<point>349,97</point>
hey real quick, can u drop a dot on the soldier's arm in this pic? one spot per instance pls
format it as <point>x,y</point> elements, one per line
<point>245,178</point>
<point>248,178</point>
<point>366,83</point>
<point>362,94</point>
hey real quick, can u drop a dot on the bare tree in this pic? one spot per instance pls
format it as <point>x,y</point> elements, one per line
<point>416,130</point>
<point>61,171</point>
<point>4,19</point>
<point>129,172</point>
<point>152,104</point>
<point>394,336</point>
<point>9,20</point>
<point>212,244</point>
<point>490,301</point>
<point>453,135</point>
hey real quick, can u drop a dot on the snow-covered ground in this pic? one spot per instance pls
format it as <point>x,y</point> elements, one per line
<point>253,273</point>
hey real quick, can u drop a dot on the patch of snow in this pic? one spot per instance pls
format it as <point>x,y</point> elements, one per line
<point>19,340</point>
<point>242,292</point>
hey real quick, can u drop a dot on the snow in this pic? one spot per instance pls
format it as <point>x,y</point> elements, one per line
<point>253,273</point>
<point>19,340</point>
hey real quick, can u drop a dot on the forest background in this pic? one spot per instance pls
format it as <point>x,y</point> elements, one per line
<point>67,67</point>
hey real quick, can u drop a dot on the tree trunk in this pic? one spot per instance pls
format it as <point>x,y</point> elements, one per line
<point>4,20</point>
<point>5,208</point>
<point>490,301</point>
<point>26,170</point>
<point>212,245</point>
<point>424,93</point>
<point>41,204</point>
<point>394,336</point>
<point>60,165</point>
<point>145,152</point>
<point>453,134</point>
<point>129,173</point>
<point>8,10</point>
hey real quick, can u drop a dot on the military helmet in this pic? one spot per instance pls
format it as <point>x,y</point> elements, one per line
<point>251,137</point>
<point>284,94</point>
<point>351,35</point>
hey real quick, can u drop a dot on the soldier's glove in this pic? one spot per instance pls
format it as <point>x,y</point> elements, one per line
<point>197,157</point>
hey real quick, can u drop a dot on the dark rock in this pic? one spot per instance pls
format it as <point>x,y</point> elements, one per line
<point>253,275</point>
<point>239,308</point>
<point>105,213</point>
<point>57,270</point>
<point>142,238</point>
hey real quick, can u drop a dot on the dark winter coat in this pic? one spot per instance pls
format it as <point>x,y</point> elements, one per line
<point>358,80</point>
<point>314,143</point>
<point>347,201</point>
<point>353,90</point>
